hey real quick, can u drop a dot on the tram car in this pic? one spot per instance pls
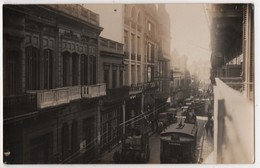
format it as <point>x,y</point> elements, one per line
<point>178,142</point>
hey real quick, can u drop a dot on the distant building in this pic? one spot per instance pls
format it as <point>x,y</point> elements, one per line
<point>180,80</point>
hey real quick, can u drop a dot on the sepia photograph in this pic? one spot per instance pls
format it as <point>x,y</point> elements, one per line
<point>128,83</point>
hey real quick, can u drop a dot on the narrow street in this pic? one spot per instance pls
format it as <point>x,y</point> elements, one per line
<point>204,145</point>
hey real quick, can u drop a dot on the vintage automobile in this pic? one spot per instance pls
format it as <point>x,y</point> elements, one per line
<point>135,149</point>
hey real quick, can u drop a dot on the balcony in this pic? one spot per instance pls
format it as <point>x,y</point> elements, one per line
<point>117,94</point>
<point>233,82</point>
<point>149,85</point>
<point>110,46</point>
<point>233,126</point>
<point>59,96</point>
<point>54,97</point>
<point>92,91</point>
<point>140,87</point>
<point>135,89</point>
<point>19,105</point>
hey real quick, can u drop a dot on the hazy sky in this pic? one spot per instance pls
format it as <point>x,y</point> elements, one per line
<point>189,30</point>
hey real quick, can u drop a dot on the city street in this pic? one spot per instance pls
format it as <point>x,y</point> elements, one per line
<point>204,145</point>
<point>128,83</point>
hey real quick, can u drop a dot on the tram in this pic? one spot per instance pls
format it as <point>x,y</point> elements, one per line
<point>178,142</point>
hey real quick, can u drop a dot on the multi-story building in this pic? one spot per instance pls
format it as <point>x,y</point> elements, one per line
<point>141,57</point>
<point>52,91</point>
<point>180,80</point>
<point>138,28</point>
<point>163,67</point>
<point>234,56</point>
<point>232,35</point>
<point>112,72</point>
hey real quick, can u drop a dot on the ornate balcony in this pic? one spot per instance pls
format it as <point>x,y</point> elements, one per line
<point>140,87</point>
<point>59,96</point>
<point>92,91</point>
<point>53,97</point>
<point>110,46</point>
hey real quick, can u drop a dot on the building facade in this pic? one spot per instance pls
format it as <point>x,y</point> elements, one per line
<point>232,37</point>
<point>227,50</point>
<point>52,93</point>
<point>164,59</point>
<point>112,73</point>
<point>70,94</point>
<point>180,80</point>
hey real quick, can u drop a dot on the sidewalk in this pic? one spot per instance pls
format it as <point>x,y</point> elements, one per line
<point>207,149</point>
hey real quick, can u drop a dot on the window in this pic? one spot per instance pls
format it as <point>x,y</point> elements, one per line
<point>133,74</point>
<point>12,73</point>
<point>84,70</point>
<point>75,69</point>
<point>48,68</point>
<point>66,69</point>
<point>109,130</point>
<point>150,27</point>
<point>132,43</point>
<point>121,76</point>
<point>88,134</point>
<point>106,75</point>
<point>32,68</point>
<point>92,70</point>
<point>149,52</point>
<point>114,77</point>
<point>138,74</point>
<point>138,46</point>
<point>126,41</point>
<point>149,73</point>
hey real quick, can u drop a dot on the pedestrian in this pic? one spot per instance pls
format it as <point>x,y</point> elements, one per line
<point>209,127</point>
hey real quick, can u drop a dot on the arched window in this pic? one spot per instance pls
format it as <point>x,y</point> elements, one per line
<point>32,68</point>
